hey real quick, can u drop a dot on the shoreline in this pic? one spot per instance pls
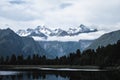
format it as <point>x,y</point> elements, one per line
<point>74,68</point>
<point>57,68</point>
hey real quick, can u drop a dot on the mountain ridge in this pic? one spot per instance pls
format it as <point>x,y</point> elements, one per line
<point>59,42</point>
<point>11,43</point>
<point>106,39</point>
<point>58,48</point>
<point>44,33</point>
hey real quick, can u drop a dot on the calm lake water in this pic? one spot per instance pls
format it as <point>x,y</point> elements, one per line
<point>59,75</point>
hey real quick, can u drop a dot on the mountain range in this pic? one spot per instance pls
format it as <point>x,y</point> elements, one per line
<point>12,43</point>
<point>50,41</point>
<point>58,48</point>
<point>44,33</point>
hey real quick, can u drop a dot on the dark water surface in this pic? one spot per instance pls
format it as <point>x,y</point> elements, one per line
<point>59,75</point>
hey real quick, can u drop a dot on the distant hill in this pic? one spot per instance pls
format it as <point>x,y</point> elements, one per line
<point>58,48</point>
<point>11,43</point>
<point>106,39</point>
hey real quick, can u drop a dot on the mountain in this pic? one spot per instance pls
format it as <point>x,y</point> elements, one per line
<point>33,32</point>
<point>81,29</point>
<point>57,48</point>
<point>11,43</point>
<point>106,39</point>
<point>59,32</point>
<point>44,33</point>
<point>59,42</point>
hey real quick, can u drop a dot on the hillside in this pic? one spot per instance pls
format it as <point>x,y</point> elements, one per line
<point>11,43</point>
<point>106,39</point>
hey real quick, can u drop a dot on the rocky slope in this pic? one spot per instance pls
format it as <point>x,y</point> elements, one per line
<point>106,39</point>
<point>11,43</point>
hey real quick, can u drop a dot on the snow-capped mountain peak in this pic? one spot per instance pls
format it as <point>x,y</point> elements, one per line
<point>83,28</point>
<point>80,29</point>
<point>42,32</point>
<point>23,32</point>
<point>72,30</point>
<point>59,32</point>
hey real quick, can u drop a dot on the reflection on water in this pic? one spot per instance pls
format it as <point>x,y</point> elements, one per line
<point>61,75</point>
<point>9,72</point>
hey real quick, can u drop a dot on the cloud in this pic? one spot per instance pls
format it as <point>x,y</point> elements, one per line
<point>87,12</point>
<point>83,36</point>
<point>16,1</point>
<point>60,13</point>
<point>105,12</point>
<point>64,5</point>
<point>21,12</point>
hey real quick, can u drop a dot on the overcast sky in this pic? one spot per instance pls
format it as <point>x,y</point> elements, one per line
<point>21,14</point>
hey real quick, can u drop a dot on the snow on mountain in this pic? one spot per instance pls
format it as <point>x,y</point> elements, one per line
<point>72,31</point>
<point>59,32</point>
<point>37,32</point>
<point>23,33</point>
<point>82,36</point>
<point>81,29</point>
<point>44,30</point>
<point>59,42</point>
<point>42,33</point>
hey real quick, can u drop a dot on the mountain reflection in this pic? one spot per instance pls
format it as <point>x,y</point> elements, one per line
<point>62,75</point>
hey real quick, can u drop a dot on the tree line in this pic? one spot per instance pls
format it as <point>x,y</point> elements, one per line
<point>102,56</point>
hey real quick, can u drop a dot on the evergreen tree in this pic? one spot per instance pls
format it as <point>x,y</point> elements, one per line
<point>20,60</point>
<point>28,60</point>
<point>7,60</point>
<point>1,60</point>
<point>13,59</point>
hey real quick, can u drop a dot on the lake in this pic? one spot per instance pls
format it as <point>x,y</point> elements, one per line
<point>59,75</point>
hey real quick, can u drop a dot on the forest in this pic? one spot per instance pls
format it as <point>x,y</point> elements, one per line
<point>102,56</point>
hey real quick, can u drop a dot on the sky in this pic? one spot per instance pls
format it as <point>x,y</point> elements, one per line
<point>22,14</point>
